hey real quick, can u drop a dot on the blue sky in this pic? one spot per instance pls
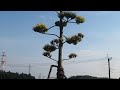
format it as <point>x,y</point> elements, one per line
<point>24,46</point>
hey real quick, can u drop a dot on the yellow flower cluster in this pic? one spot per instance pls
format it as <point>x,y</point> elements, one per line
<point>41,28</point>
<point>79,19</point>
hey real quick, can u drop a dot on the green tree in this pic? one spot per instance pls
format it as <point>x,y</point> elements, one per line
<point>65,17</point>
<point>11,75</point>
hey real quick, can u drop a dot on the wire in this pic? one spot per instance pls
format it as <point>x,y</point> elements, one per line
<point>16,65</point>
<point>44,64</point>
<point>89,60</point>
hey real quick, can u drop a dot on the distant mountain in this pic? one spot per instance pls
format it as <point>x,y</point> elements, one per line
<point>86,77</point>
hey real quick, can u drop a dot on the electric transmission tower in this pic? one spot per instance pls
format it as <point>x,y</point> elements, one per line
<point>3,61</point>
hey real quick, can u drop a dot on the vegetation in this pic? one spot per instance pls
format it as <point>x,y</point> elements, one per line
<point>65,17</point>
<point>86,77</point>
<point>11,75</point>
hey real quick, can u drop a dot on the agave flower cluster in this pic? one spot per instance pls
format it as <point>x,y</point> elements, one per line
<point>41,28</point>
<point>75,39</point>
<point>72,55</point>
<point>70,16</point>
<point>48,49</point>
<point>79,19</point>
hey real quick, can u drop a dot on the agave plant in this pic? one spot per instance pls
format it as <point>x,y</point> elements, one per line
<point>65,17</point>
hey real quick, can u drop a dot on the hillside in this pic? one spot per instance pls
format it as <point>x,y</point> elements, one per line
<point>86,77</point>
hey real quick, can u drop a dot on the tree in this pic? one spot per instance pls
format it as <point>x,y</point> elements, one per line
<point>65,17</point>
<point>11,75</point>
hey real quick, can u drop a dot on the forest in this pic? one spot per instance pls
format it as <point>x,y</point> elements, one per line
<point>86,77</point>
<point>11,75</point>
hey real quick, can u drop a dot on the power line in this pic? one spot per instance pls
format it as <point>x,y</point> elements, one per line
<point>116,58</point>
<point>87,61</point>
<point>13,65</point>
<point>44,64</point>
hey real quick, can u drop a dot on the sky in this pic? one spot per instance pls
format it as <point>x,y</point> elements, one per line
<point>23,46</point>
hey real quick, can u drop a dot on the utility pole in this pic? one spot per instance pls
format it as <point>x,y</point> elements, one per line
<point>109,58</point>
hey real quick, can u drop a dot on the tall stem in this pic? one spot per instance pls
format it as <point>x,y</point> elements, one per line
<point>60,72</point>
